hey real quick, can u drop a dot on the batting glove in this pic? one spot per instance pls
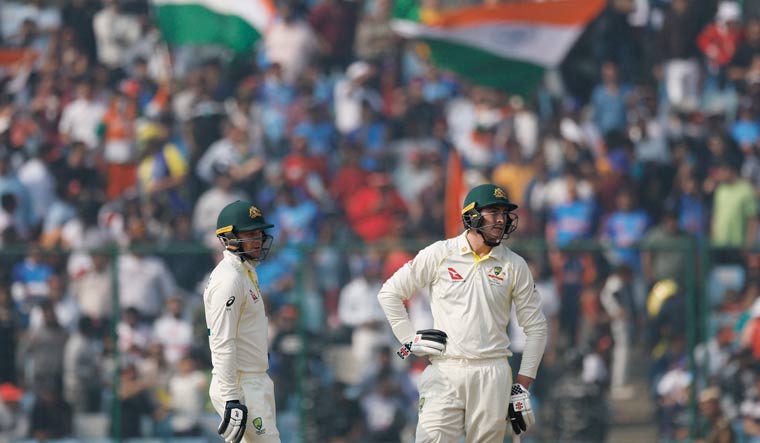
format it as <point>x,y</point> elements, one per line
<point>426,342</point>
<point>232,426</point>
<point>520,413</point>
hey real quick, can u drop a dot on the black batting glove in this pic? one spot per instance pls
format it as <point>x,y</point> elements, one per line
<point>232,426</point>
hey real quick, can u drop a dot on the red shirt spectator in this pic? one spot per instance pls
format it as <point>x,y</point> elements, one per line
<point>376,211</point>
<point>719,40</point>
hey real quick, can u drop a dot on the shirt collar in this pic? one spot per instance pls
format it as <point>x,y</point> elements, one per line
<point>463,247</point>
<point>236,261</point>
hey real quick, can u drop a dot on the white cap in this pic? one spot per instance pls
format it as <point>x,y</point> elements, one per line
<point>358,69</point>
<point>728,11</point>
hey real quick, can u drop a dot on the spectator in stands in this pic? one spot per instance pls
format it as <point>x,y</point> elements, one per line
<point>173,331</point>
<point>92,287</point>
<point>291,42</point>
<point>162,169</point>
<point>134,336</point>
<point>666,254</point>
<point>719,40</point>
<point>187,391</point>
<point>40,355</point>
<point>375,40</point>
<point>748,409</point>
<point>10,327</point>
<point>609,100</point>
<point>50,416</point>
<point>115,33</point>
<point>676,51</point>
<point>13,420</point>
<point>64,304</point>
<point>717,428</point>
<point>81,117</point>
<point>82,367</point>
<point>734,215</point>
<point>625,228</point>
<point>9,184</point>
<point>29,280</point>
<point>384,410</point>
<point>135,402</point>
<point>359,310</point>
<point>211,202</point>
<point>235,152</point>
<point>144,280</point>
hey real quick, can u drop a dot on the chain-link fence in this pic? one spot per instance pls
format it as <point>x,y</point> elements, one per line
<point>112,343</point>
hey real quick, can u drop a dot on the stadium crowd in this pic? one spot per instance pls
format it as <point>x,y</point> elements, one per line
<point>114,145</point>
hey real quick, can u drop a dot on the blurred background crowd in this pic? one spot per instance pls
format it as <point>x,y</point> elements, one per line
<point>117,153</point>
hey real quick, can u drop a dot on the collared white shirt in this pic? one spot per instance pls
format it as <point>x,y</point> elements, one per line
<point>471,299</point>
<point>237,323</point>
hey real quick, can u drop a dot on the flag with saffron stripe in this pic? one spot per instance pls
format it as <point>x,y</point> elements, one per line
<point>504,46</point>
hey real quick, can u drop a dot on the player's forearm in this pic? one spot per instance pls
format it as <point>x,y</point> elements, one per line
<point>535,344</point>
<point>224,357</point>
<point>395,312</point>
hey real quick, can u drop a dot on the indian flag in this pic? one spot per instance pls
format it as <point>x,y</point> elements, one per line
<point>236,24</point>
<point>505,46</point>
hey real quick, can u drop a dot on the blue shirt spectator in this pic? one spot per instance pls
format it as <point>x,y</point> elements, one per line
<point>609,101</point>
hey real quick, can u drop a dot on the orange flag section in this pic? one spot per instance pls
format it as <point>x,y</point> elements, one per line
<point>556,13</point>
<point>9,56</point>
<point>455,193</point>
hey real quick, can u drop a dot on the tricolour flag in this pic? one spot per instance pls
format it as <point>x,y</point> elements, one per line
<point>505,46</point>
<point>236,24</point>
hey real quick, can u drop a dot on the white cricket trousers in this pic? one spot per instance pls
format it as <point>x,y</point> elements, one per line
<point>460,397</point>
<point>258,395</point>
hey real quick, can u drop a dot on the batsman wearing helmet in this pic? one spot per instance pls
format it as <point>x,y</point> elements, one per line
<point>474,280</point>
<point>241,391</point>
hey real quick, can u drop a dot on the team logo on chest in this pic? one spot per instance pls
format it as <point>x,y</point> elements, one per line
<point>254,296</point>
<point>495,275</point>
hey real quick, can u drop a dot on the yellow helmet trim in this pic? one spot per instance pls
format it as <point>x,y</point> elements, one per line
<point>224,230</point>
<point>468,207</point>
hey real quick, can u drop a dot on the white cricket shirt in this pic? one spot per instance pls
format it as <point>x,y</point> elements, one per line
<point>237,323</point>
<point>471,298</point>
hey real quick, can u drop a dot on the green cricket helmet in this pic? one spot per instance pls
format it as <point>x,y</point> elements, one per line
<point>239,217</point>
<point>488,196</point>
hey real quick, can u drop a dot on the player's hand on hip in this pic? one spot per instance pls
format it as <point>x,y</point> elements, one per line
<point>520,412</point>
<point>232,426</point>
<point>426,342</point>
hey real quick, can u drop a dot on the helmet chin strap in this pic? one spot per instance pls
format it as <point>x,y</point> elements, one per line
<point>490,242</point>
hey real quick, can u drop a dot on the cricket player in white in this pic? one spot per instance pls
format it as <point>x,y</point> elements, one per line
<point>467,389</point>
<point>241,391</point>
